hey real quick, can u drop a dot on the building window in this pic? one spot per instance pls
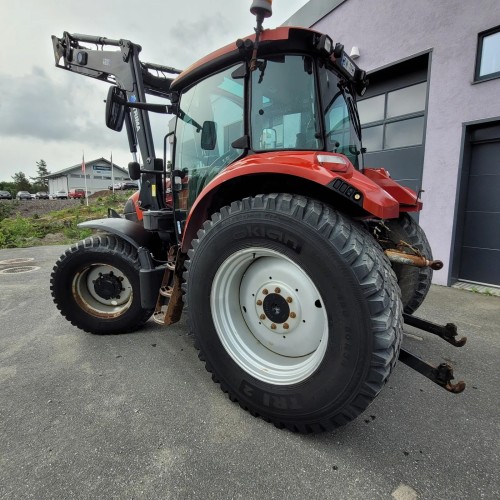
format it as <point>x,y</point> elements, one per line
<point>394,119</point>
<point>488,55</point>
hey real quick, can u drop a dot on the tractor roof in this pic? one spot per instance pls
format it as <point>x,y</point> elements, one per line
<point>280,40</point>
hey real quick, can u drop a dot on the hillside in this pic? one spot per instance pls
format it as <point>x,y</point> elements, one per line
<point>48,222</point>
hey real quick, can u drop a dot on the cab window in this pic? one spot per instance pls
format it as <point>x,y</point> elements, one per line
<point>284,111</point>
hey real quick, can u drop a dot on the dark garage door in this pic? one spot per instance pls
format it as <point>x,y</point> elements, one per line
<point>480,255</point>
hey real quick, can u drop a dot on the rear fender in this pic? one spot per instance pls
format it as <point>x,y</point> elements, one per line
<point>407,198</point>
<point>332,173</point>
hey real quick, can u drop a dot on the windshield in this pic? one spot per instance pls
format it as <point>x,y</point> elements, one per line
<point>284,105</point>
<point>210,120</point>
<point>343,131</point>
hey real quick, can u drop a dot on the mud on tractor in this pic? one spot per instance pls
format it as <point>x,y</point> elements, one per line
<point>296,265</point>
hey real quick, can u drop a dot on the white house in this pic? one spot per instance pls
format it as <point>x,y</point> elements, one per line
<point>98,173</point>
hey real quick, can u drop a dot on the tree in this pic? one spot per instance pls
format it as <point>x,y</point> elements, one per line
<point>8,186</point>
<point>21,182</point>
<point>40,182</point>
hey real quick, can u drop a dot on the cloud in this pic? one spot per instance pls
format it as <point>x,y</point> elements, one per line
<point>196,38</point>
<point>53,114</point>
<point>33,106</point>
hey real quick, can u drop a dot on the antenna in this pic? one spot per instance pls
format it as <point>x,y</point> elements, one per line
<point>260,9</point>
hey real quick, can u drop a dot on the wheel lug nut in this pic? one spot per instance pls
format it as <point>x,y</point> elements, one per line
<point>265,291</point>
<point>286,326</point>
<point>289,299</point>
<point>273,327</point>
<point>262,316</point>
<point>293,315</point>
<point>277,289</point>
<point>259,302</point>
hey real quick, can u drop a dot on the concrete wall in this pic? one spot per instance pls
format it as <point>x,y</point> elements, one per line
<point>387,31</point>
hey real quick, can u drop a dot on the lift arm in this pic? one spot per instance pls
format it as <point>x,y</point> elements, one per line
<point>123,68</point>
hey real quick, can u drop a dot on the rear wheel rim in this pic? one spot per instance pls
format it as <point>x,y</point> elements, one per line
<point>269,316</point>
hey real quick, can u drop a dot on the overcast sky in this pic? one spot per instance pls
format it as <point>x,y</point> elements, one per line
<point>49,113</point>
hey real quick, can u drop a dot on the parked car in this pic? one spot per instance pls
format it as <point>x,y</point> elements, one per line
<point>42,195</point>
<point>76,193</point>
<point>5,195</point>
<point>129,185</point>
<point>61,195</point>
<point>116,185</point>
<point>23,195</point>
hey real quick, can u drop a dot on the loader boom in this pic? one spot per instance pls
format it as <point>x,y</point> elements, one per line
<point>135,79</point>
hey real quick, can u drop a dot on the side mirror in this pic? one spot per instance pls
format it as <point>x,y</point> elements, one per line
<point>134,170</point>
<point>208,136</point>
<point>115,108</point>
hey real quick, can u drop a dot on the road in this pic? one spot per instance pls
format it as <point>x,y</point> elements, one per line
<point>137,416</point>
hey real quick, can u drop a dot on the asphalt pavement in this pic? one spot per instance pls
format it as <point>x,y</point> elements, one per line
<point>136,416</point>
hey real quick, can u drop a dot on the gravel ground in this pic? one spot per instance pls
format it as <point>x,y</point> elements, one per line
<point>136,416</point>
<point>29,208</point>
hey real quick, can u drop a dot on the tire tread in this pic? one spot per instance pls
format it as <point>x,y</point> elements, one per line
<point>377,281</point>
<point>109,244</point>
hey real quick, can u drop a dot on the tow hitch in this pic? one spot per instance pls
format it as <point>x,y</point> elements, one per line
<point>442,374</point>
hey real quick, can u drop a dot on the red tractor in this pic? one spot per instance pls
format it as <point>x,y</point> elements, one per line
<point>297,264</point>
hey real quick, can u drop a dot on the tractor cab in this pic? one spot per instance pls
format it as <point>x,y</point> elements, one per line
<point>290,91</point>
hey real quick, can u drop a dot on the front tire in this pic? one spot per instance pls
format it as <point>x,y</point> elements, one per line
<point>295,311</point>
<point>95,285</point>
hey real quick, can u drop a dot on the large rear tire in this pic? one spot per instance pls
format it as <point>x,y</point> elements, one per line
<point>295,311</point>
<point>414,282</point>
<point>95,285</point>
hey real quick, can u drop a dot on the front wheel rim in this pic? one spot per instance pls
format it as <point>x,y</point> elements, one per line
<point>90,297</point>
<point>269,316</point>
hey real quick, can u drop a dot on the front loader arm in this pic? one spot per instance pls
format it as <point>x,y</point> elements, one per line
<point>112,66</point>
<point>123,68</point>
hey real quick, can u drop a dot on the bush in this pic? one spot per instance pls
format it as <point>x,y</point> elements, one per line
<point>17,232</point>
<point>6,209</point>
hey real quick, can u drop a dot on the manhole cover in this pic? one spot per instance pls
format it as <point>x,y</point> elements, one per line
<point>16,261</point>
<point>19,269</point>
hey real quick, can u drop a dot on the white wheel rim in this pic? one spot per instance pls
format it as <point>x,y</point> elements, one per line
<point>253,291</point>
<point>86,295</point>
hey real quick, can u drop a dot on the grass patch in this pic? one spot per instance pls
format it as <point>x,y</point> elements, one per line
<point>19,232</point>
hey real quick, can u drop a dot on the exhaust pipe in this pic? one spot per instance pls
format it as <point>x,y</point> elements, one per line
<point>413,260</point>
